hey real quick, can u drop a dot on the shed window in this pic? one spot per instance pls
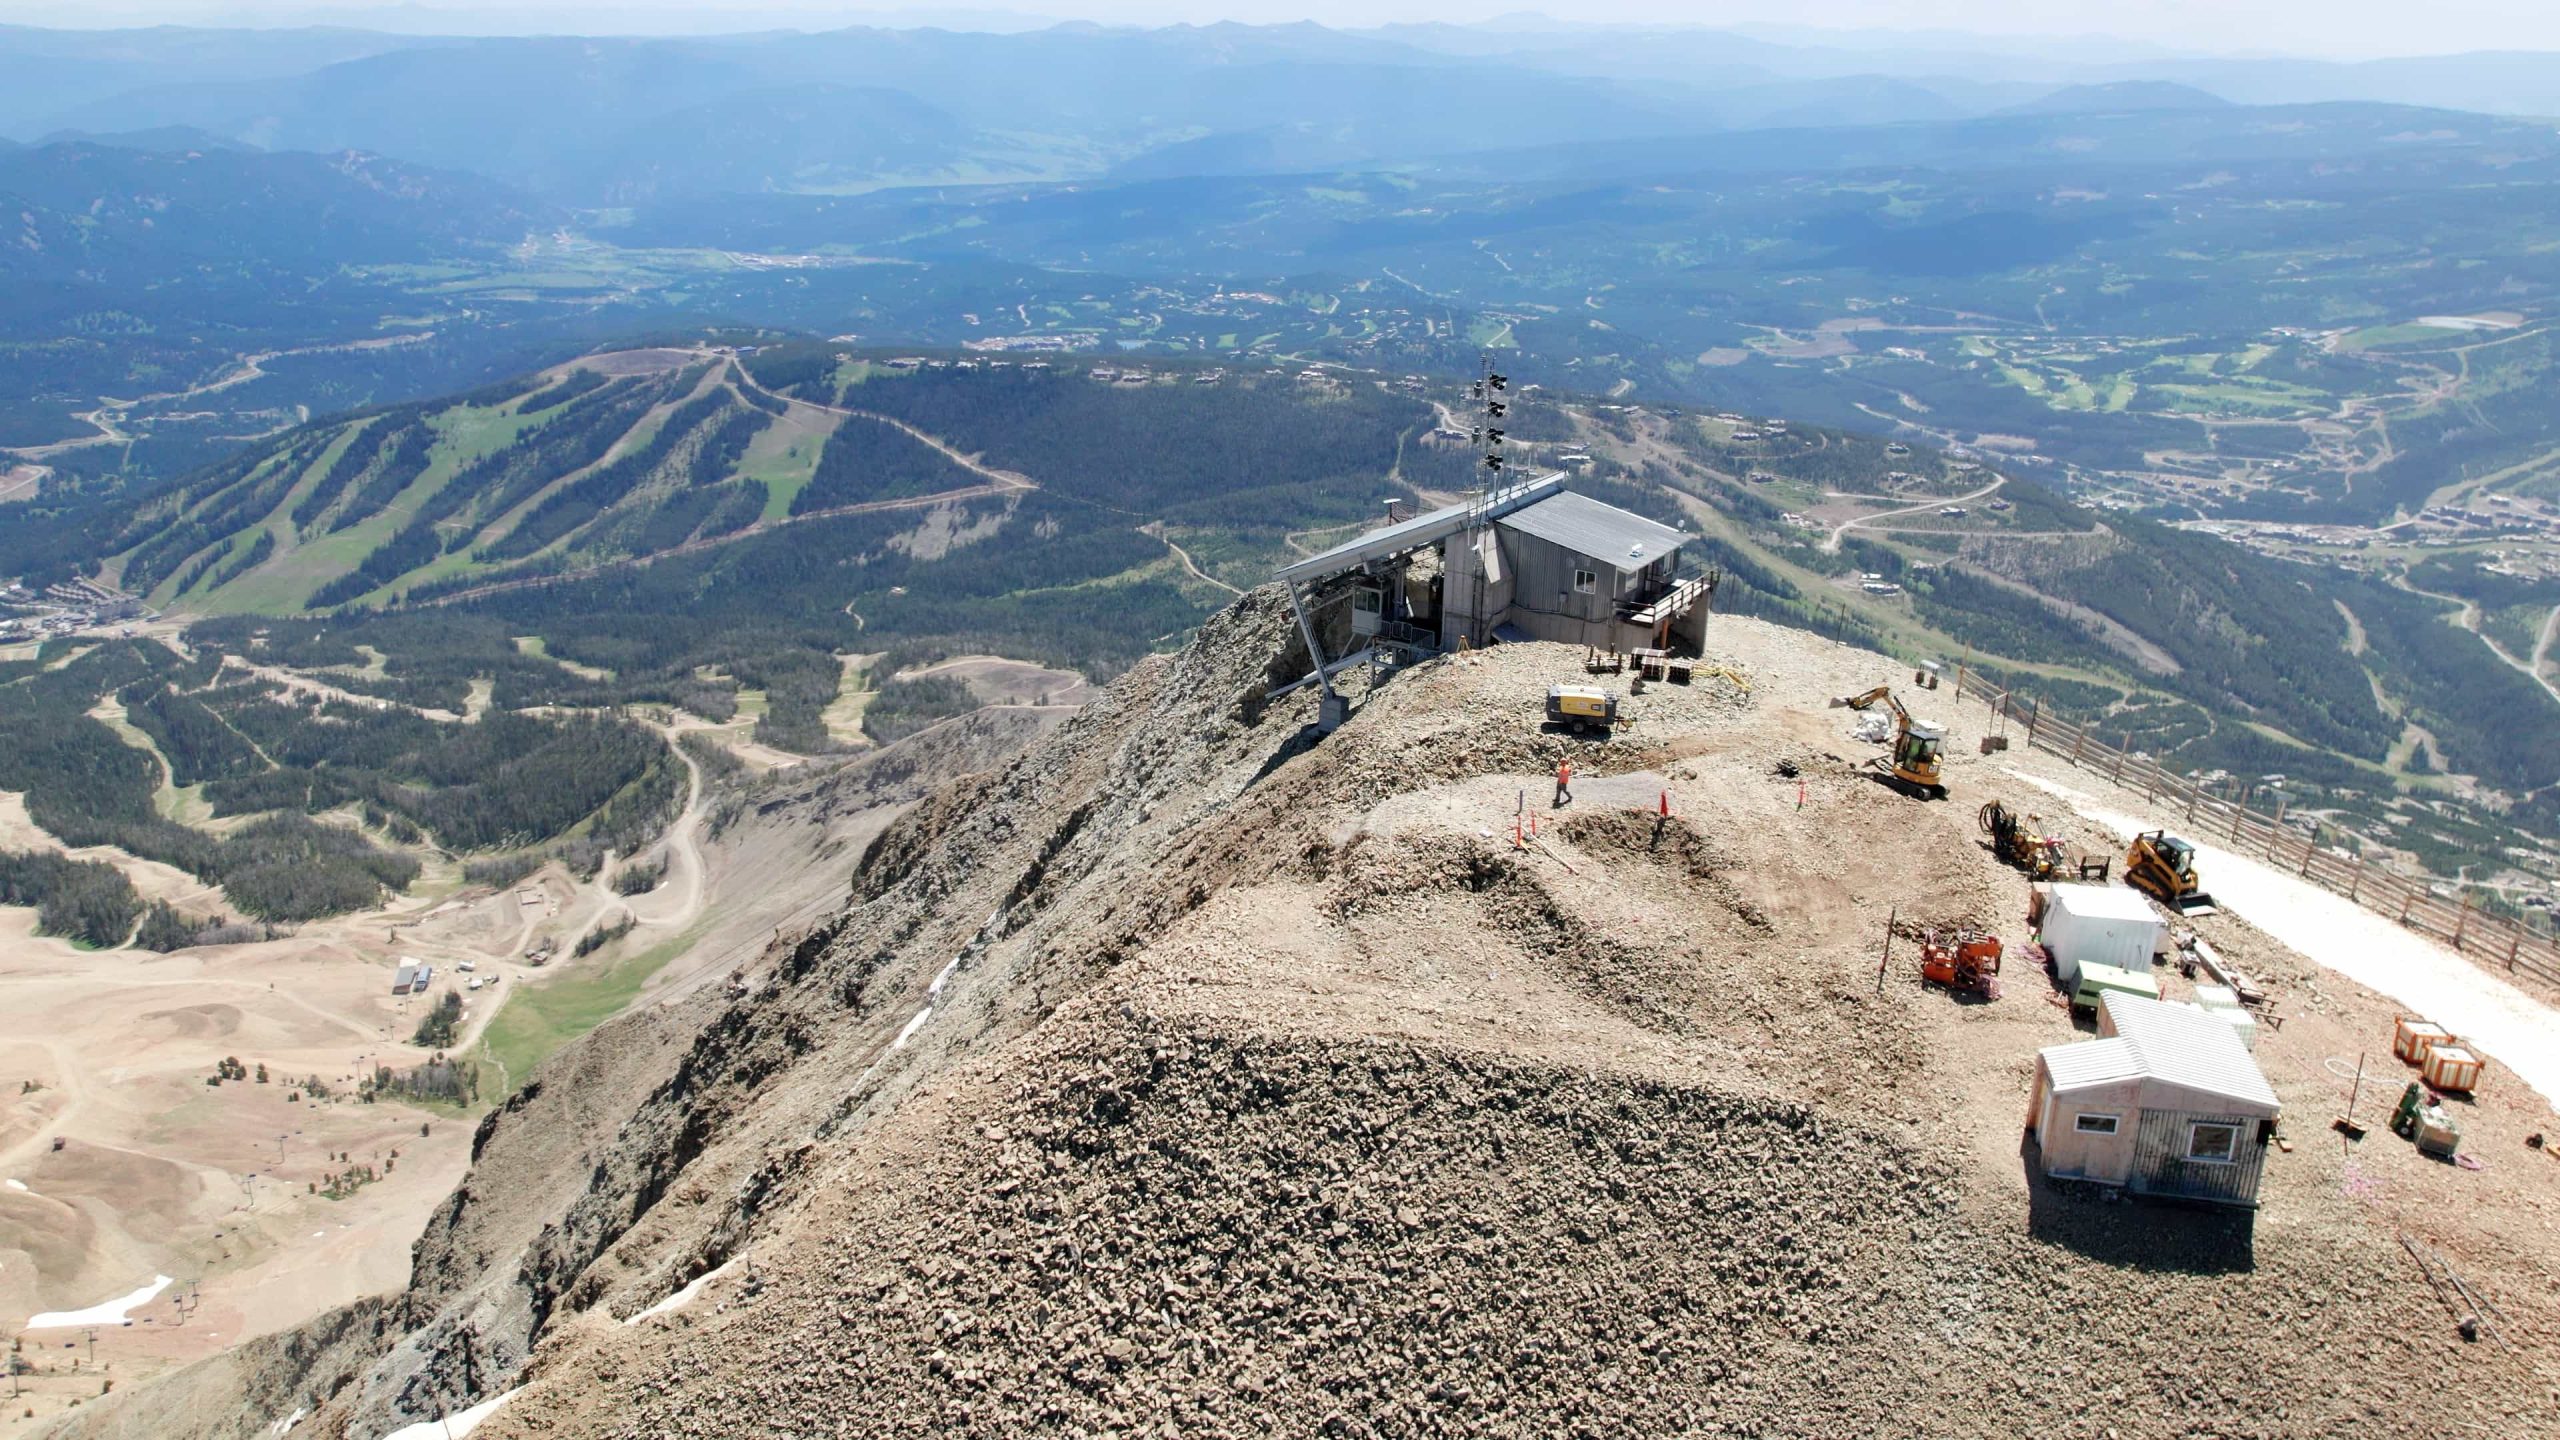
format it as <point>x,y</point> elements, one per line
<point>2095,1125</point>
<point>2219,1144</point>
<point>1585,581</point>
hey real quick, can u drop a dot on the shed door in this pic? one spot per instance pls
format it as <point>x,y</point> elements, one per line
<point>2163,1164</point>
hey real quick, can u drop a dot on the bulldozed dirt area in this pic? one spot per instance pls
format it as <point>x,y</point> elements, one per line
<point>1192,1076</point>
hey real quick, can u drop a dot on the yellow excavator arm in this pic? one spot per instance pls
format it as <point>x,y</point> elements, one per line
<point>1882,693</point>
<point>1916,743</point>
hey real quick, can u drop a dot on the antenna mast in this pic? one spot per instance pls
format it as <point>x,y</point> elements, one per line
<point>1490,407</point>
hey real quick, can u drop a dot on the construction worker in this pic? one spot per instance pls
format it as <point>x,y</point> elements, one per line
<point>1564,783</point>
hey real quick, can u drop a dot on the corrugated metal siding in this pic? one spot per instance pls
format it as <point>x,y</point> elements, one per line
<point>1542,582</point>
<point>2161,1166</point>
<point>2077,939</point>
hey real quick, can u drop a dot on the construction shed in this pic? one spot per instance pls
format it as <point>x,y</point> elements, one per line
<point>2096,925</point>
<point>2167,1102</point>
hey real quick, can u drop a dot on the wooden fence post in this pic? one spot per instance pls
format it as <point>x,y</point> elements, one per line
<point>2355,882</point>
<point>2515,942</point>
<point>2462,920</point>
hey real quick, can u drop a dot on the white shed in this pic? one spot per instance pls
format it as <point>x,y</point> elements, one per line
<point>2098,924</point>
<point>2166,1102</point>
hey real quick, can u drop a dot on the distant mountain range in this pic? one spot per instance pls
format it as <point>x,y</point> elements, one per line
<point>96,216</point>
<point>610,121</point>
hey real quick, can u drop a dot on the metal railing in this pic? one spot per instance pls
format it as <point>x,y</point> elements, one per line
<point>2201,814</point>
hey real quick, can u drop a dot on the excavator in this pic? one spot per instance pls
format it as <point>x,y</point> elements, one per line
<point>1913,765</point>
<point>2163,867</point>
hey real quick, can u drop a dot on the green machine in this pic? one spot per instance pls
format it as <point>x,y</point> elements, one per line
<point>2425,1124</point>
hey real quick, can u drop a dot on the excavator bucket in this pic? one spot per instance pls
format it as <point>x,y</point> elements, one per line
<point>2195,902</point>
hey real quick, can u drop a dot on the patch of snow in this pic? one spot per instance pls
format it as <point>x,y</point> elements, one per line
<point>912,1027</point>
<point>936,987</point>
<point>285,1425</point>
<point>2370,949</point>
<point>111,1312</point>
<point>680,1298</point>
<point>457,1424</point>
<point>17,1184</point>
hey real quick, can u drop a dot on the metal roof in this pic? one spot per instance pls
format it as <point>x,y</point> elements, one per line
<point>1587,527</point>
<point>2102,902</point>
<point>1425,529</point>
<point>2091,1062</point>
<point>2182,1045</point>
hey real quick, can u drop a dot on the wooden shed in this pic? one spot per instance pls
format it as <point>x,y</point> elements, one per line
<point>2166,1102</point>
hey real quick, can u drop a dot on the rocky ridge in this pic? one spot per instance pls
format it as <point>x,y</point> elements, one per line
<point>1186,1076</point>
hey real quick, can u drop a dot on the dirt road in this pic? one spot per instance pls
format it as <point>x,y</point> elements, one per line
<point>1831,543</point>
<point>1154,530</point>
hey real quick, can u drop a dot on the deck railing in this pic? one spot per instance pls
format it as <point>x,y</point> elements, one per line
<point>2199,813</point>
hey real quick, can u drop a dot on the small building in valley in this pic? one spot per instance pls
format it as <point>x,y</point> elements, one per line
<point>2166,1102</point>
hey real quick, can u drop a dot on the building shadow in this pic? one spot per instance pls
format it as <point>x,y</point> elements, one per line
<point>1290,749</point>
<point>2104,1224</point>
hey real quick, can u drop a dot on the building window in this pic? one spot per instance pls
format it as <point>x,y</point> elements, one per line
<point>2215,1144</point>
<point>2095,1125</point>
<point>1585,581</point>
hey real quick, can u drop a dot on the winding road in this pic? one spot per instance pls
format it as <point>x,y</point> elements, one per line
<point>2469,620</point>
<point>1154,530</point>
<point>1831,544</point>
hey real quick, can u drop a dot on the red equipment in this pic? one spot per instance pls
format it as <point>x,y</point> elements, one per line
<point>1964,961</point>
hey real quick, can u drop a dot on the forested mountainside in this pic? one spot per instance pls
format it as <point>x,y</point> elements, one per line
<point>175,277</point>
<point>683,525</point>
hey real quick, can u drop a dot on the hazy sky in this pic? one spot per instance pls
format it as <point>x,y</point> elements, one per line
<point>2323,27</point>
